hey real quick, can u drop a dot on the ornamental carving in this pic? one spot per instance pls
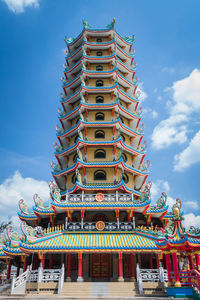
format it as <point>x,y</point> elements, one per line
<point>176,209</point>
<point>100,225</point>
<point>99,197</point>
<point>24,208</point>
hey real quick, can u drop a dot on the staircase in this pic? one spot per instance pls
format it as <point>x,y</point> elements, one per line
<point>99,289</point>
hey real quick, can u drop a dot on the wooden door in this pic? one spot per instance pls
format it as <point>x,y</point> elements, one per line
<point>100,265</point>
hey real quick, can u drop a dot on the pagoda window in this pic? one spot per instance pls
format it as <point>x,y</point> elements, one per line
<point>122,120</point>
<point>99,99</point>
<point>124,157</point>
<point>123,137</point>
<point>99,116</point>
<point>99,68</point>
<point>126,178</point>
<point>100,153</point>
<point>99,40</point>
<point>100,175</point>
<point>99,53</point>
<point>75,157</point>
<point>76,138</point>
<point>74,178</point>
<point>99,83</point>
<point>99,134</point>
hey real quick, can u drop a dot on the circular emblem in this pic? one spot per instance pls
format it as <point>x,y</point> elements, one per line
<point>99,197</point>
<point>100,225</point>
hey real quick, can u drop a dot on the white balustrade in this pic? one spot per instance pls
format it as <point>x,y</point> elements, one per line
<point>92,197</point>
<point>18,285</point>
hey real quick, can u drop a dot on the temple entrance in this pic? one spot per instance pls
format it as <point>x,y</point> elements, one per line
<point>100,267</point>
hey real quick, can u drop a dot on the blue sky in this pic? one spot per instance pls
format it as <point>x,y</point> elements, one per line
<point>167,48</point>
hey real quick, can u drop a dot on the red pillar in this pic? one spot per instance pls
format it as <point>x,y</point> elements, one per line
<point>25,264</point>
<point>51,261</point>
<point>175,264</point>
<point>169,267</point>
<point>132,259</point>
<point>120,267</point>
<point>191,262</point>
<point>43,261</point>
<point>69,259</point>
<point>157,261</point>
<point>80,267</point>
<point>18,268</point>
<point>150,261</point>
<point>9,269</point>
<point>197,261</point>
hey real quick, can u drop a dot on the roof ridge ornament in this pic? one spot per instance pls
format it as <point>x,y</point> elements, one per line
<point>112,24</point>
<point>85,24</point>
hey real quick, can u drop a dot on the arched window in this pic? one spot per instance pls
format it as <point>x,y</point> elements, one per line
<point>100,175</point>
<point>75,157</point>
<point>76,138</point>
<point>100,153</point>
<point>99,99</point>
<point>122,120</point>
<point>99,68</point>
<point>99,53</point>
<point>124,157</point>
<point>99,116</point>
<point>74,178</point>
<point>123,137</point>
<point>99,40</point>
<point>99,134</point>
<point>126,178</point>
<point>99,83</point>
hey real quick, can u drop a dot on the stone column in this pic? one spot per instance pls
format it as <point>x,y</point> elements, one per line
<point>69,259</point>
<point>120,267</point>
<point>169,267</point>
<point>80,267</point>
<point>175,265</point>
<point>9,269</point>
<point>133,266</point>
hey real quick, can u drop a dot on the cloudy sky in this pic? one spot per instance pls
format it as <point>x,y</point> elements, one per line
<point>167,48</point>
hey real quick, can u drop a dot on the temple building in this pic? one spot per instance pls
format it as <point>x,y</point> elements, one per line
<point>99,223</point>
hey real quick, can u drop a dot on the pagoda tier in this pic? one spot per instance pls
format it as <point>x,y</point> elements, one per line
<point>100,137</point>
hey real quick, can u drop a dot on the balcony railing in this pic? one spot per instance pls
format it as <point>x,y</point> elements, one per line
<point>92,226</point>
<point>107,198</point>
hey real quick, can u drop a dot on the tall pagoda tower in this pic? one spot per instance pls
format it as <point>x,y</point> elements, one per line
<point>99,222</point>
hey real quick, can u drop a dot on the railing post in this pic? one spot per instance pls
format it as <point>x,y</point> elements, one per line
<point>40,273</point>
<point>82,196</point>
<point>161,274</point>
<point>61,279</point>
<point>12,285</point>
<point>139,279</point>
<point>117,196</point>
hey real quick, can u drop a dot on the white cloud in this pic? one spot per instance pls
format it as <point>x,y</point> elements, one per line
<point>18,6</point>
<point>17,187</point>
<point>191,220</point>
<point>190,155</point>
<point>150,112</point>
<point>185,102</point>
<point>158,187</point>
<point>169,131</point>
<point>143,94</point>
<point>168,70</point>
<point>191,204</point>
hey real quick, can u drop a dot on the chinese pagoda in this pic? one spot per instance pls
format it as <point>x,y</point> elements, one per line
<point>99,222</point>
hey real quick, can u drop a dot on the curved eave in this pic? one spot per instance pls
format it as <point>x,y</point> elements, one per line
<point>42,212</point>
<point>24,217</point>
<point>102,164</point>
<point>137,207</point>
<point>84,89</point>
<point>15,251</point>
<point>157,212</point>
<point>81,124</point>
<point>103,143</point>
